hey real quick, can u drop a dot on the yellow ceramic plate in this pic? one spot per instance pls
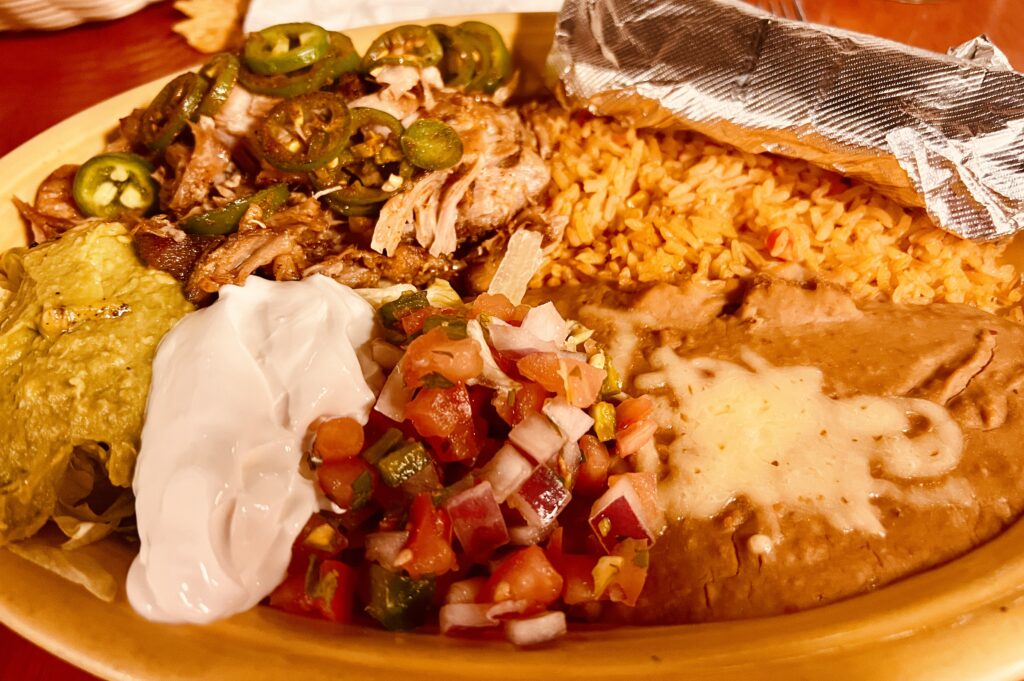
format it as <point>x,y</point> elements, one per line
<point>961,621</point>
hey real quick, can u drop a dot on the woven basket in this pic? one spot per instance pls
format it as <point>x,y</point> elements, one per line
<point>16,15</point>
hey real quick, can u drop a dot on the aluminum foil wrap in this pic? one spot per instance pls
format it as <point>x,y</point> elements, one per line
<point>943,132</point>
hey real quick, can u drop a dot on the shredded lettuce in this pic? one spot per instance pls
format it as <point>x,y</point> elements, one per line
<point>377,297</point>
<point>522,259</point>
<point>492,375</point>
<point>441,294</point>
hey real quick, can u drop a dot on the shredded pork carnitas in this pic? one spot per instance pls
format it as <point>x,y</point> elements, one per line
<point>427,229</point>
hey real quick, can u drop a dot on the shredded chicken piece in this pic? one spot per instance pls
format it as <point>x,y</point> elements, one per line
<point>398,97</point>
<point>259,242</point>
<point>500,174</point>
<point>397,215</point>
<point>241,112</point>
<point>207,162</point>
<point>501,191</point>
<point>359,268</point>
<point>446,237</point>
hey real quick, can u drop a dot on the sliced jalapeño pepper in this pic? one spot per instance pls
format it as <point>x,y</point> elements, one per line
<point>403,463</point>
<point>343,57</point>
<point>304,133</point>
<point>287,84</point>
<point>392,312</point>
<point>222,73</point>
<point>370,170</point>
<point>406,45</point>
<point>398,601</point>
<point>167,115</point>
<point>431,144</point>
<point>459,62</point>
<point>500,61</point>
<point>285,48</point>
<point>110,185</point>
<point>225,219</point>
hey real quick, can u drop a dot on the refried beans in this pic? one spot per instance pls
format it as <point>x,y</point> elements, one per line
<point>938,473</point>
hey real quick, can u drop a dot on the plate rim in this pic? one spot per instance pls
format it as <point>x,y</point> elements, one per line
<point>986,580</point>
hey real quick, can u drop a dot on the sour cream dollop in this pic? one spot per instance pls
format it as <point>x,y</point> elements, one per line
<point>219,493</point>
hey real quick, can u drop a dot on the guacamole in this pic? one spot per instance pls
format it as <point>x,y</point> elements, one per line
<point>80,321</point>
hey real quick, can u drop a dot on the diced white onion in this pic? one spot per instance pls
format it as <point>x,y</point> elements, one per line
<point>441,294</point>
<point>538,437</point>
<point>506,472</point>
<point>527,535</point>
<point>383,547</point>
<point>631,517</point>
<point>394,396</point>
<point>516,341</point>
<point>465,591</point>
<point>456,616</point>
<point>572,421</point>
<point>522,259</point>
<point>571,457</point>
<point>492,376</point>
<point>545,323</point>
<point>534,630</point>
<point>379,296</point>
<point>503,608</point>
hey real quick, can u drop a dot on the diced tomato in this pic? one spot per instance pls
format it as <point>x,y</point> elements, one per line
<point>633,409</point>
<point>576,570</point>
<point>439,412</point>
<point>452,420</point>
<point>435,353</point>
<point>530,398</point>
<point>578,573</point>
<point>462,445</point>
<point>412,323</point>
<point>338,439</point>
<point>627,584</point>
<point>526,575</point>
<point>592,476</point>
<point>430,540</point>
<point>555,546</point>
<point>290,595</point>
<point>502,402</point>
<point>495,305</point>
<point>348,482</point>
<point>577,381</point>
<point>630,439</point>
<point>520,312</point>
<point>332,596</point>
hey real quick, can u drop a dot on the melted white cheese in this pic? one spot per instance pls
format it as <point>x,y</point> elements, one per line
<point>219,494</point>
<point>771,435</point>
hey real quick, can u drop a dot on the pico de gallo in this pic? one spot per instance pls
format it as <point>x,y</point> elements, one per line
<point>492,486</point>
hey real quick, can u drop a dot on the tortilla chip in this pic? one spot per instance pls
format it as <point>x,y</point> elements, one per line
<point>214,25</point>
<point>71,565</point>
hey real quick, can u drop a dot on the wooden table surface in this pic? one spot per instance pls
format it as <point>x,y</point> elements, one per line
<point>49,76</point>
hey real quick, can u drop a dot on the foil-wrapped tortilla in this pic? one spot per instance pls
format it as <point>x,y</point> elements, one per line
<point>943,132</point>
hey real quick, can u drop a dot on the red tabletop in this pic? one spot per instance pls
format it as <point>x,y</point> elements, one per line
<point>49,76</point>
